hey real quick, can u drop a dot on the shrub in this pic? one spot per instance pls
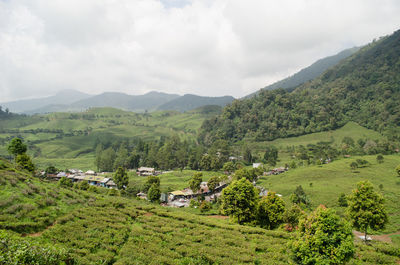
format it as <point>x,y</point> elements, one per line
<point>113,192</point>
<point>16,251</point>
<point>300,197</point>
<point>83,185</point>
<point>342,200</point>
<point>65,182</point>
<point>154,193</point>
<point>93,189</point>
<point>354,165</point>
<point>205,206</point>
<point>193,203</point>
<point>292,216</point>
<point>398,170</point>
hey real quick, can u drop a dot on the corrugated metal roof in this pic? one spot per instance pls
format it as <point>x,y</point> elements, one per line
<point>178,193</point>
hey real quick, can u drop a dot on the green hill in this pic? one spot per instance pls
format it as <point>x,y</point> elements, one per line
<point>65,224</point>
<point>189,102</point>
<point>69,139</point>
<point>324,183</point>
<point>363,88</point>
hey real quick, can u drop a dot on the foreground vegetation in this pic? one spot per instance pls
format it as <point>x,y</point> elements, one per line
<point>105,229</point>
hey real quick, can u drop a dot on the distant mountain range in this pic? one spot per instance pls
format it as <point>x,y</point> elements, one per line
<point>72,100</point>
<point>189,102</point>
<point>310,72</point>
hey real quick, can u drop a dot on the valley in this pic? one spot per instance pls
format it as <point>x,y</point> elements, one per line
<point>297,173</point>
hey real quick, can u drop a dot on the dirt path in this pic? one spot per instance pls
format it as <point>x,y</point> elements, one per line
<point>39,233</point>
<point>383,238</point>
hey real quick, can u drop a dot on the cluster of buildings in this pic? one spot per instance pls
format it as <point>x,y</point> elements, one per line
<point>181,198</point>
<point>276,171</point>
<point>147,171</point>
<point>76,175</point>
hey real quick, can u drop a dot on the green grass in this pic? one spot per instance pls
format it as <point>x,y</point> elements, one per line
<point>351,129</point>
<point>330,180</point>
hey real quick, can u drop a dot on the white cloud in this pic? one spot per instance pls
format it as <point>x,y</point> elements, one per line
<point>205,47</point>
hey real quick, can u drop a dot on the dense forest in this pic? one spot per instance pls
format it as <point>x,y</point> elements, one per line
<point>364,88</point>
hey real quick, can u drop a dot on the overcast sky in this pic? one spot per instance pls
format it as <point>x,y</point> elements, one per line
<point>204,47</point>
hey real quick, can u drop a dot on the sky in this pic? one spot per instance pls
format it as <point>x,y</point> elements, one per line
<point>203,47</point>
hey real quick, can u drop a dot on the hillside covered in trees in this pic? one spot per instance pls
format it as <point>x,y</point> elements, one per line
<point>363,88</point>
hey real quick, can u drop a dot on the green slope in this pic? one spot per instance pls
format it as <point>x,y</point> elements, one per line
<point>363,88</point>
<point>102,229</point>
<point>330,180</point>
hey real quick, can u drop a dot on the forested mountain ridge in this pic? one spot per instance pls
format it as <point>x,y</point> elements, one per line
<point>364,88</point>
<point>189,102</point>
<point>310,72</point>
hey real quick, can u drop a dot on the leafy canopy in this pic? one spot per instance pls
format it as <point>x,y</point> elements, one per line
<point>239,200</point>
<point>366,208</point>
<point>270,211</point>
<point>16,147</point>
<point>121,178</point>
<point>323,238</point>
<point>154,193</point>
<point>195,181</point>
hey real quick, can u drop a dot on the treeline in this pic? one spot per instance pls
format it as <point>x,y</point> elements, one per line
<point>363,88</point>
<point>323,152</point>
<point>166,153</point>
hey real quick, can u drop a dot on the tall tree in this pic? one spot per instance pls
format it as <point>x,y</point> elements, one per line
<point>121,158</point>
<point>154,193</point>
<point>213,182</point>
<point>249,174</point>
<point>247,156</point>
<point>366,208</point>
<point>239,200</point>
<point>150,181</point>
<point>299,196</point>
<point>195,181</point>
<point>323,238</point>
<point>121,178</point>
<point>270,211</point>
<point>271,155</point>
<point>16,147</point>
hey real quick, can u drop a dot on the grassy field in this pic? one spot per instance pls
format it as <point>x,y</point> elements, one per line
<point>323,184</point>
<point>351,129</point>
<point>102,229</point>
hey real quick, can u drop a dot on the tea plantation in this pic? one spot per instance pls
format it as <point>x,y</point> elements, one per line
<point>43,223</point>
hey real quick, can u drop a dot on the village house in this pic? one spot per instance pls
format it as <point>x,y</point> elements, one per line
<point>90,172</point>
<point>94,180</point>
<point>145,171</point>
<point>257,165</point>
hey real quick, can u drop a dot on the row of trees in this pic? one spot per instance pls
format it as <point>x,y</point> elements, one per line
<point>167,153</point>
<point>322,236</point>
